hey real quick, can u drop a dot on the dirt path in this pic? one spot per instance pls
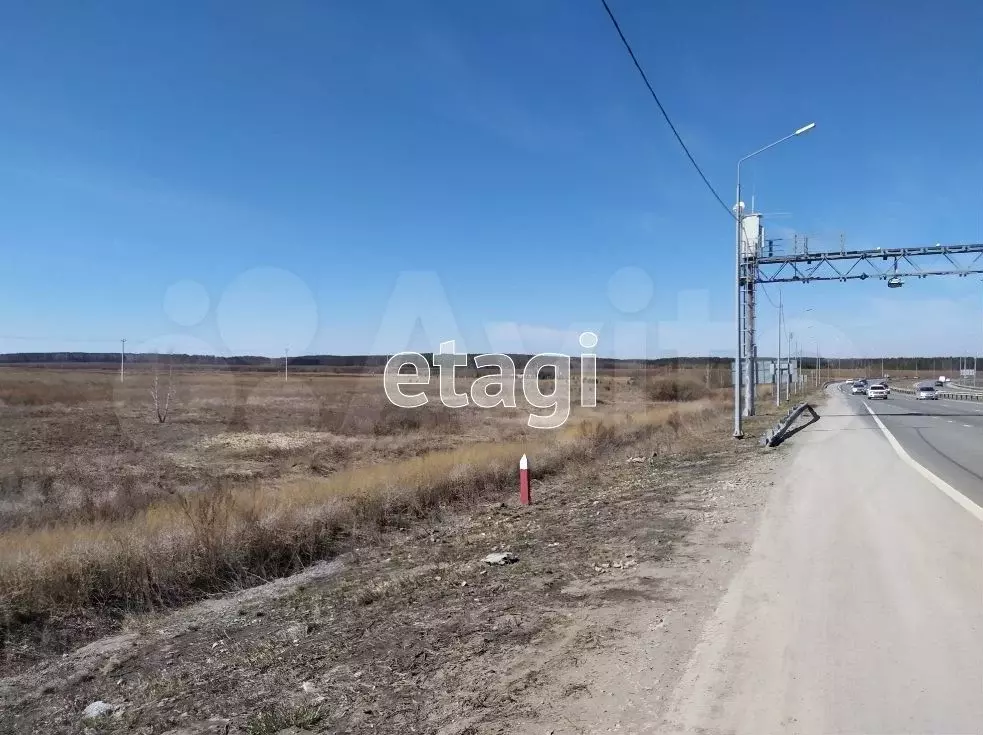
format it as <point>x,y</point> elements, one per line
<point>858,610</point>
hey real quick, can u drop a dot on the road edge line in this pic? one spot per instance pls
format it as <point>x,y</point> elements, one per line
<point>967,504</point>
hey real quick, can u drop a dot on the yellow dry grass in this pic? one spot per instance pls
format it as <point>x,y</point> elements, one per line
<point>186,546</point>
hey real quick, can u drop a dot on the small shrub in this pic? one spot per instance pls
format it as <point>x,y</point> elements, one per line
<point>597,437</point>
<point>675,421</point>
<point>394,420</point>
<point>675,390</point>
<point>162,406</point>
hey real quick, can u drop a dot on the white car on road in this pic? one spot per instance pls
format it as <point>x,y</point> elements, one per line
<point>926,393</point>
<point>877,391</point>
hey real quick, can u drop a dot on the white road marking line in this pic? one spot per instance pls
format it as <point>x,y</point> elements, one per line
<point>941,484</point>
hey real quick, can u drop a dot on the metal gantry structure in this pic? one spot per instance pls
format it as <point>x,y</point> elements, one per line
<point>764,265</point>
<point>884,263</point>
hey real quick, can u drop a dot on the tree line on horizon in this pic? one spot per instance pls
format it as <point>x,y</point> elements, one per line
<point>948,363</point>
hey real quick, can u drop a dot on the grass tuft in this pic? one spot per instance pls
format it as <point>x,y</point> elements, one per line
<point>277,719</point>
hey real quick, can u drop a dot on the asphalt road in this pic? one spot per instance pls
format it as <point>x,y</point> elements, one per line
<point>944,436</point>
<point>860,609</point>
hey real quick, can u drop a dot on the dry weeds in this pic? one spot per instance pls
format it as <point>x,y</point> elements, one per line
<point>229,493</point>
<point>409,631</point>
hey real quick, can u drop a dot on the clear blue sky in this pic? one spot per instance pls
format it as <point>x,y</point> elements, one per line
<point>490,167</point>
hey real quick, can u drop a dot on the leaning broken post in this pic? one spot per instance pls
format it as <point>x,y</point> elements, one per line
<point>525,494</point>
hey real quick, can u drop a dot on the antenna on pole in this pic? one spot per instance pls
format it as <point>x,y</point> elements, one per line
<point>122,352</point>
<point>286,352</point>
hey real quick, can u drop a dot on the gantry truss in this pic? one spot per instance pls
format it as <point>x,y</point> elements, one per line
<point>882,263</point>
<point>766,265</point>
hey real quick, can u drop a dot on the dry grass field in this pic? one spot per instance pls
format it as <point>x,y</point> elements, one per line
<point>106,511</point>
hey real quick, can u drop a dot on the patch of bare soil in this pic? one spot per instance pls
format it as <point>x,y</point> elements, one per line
<point>410,632</point>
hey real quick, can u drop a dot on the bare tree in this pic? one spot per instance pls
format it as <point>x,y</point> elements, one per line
<point>162,409</point>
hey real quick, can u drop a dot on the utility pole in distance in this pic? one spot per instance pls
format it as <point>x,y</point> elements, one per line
<point>286,351</point>
<point>122,352</point>
<point>788,384</point>
<point>819,369</point>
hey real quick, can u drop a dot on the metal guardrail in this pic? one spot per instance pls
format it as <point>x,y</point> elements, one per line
<point>776,435</point>
<point>944,394</point>
<point>969,388</point>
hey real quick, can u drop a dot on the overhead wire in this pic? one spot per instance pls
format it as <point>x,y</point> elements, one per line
<point>662,109</point>
<point>765,292</point>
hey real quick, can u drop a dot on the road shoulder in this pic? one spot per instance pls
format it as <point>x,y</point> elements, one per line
<point>624,685</point>
<point>859,609</point>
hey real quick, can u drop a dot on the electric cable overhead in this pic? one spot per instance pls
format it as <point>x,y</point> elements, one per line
<point>765,292</point>
<point>662,109</point>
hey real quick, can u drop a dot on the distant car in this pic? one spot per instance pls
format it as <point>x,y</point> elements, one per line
<point>939,383</point>
<point>858,389</point>
<point>877,391</point>
<point>926,393</point>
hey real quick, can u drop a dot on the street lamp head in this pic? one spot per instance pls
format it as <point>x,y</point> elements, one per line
<point>805,128</point>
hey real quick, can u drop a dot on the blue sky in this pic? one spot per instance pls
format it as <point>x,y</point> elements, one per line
<point>343,177</point>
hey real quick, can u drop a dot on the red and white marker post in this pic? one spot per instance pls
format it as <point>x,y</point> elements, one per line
<point>525,493</point>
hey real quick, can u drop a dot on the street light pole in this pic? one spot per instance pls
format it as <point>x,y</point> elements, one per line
<point>778,366</point>
<point>738,378</point>
<point>744,339</point>
<point>974,351</point>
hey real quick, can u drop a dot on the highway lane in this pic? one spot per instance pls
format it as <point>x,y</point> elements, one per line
<point>945,437</point>
<point>861,607</point>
